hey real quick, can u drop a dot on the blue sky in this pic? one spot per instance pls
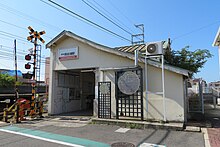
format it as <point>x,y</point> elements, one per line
<point>186,22</point>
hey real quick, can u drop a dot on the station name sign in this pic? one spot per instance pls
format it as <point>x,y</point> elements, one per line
<point>68,54</point>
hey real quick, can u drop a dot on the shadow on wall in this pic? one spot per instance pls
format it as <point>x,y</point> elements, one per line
<point>111,76</point>
<point>155,109</point>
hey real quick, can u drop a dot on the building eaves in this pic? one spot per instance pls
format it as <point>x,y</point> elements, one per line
<point>217,39</point>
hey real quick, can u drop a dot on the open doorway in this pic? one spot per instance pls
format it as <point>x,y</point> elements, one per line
<point>75,92</point>
<point>88,91</point>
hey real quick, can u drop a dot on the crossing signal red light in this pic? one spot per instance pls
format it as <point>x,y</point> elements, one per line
<point>27,66</point>
<point>27,57</point>
<point>27,75</point>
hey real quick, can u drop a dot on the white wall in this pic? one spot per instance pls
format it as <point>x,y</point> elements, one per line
<point>88,57</point>
<point>173,91</point>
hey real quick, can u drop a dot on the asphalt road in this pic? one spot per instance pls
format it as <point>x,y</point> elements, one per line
<point>92,134</point>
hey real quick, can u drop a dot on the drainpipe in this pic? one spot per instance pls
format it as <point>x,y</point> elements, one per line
<point>136,58</point>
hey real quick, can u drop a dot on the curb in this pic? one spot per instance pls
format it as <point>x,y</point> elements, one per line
<point>3,124</point>
<point>206,137</point>
<point>192,129</point>
<point>140,124</point>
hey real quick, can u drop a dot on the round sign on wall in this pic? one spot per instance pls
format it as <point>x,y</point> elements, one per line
<point>129,83</point>
<point>104,88</point>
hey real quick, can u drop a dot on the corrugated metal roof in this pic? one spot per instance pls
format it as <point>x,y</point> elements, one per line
<point>132,48</point>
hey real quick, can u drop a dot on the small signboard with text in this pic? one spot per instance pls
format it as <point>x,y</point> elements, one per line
<point>68,54</point>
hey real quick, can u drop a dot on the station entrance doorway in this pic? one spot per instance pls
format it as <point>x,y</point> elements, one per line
<point>76,89</point>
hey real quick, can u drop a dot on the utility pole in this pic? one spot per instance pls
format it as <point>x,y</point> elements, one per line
<point>16,80</point>
<point>141,35</point>
<point>140,41</point>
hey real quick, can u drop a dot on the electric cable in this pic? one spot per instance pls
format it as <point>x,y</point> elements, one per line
<point>111,15</point>
<point>106,17</point>
<point>196,30</point>
<point>28,17</point>
<point>116,8</point>
<point>5,22</point>
<point>79,17</point>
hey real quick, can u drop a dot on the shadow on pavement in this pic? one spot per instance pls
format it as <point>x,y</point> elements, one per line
<point>210,119</point>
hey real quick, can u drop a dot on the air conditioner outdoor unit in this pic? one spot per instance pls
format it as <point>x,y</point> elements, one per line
<point>154,48</point>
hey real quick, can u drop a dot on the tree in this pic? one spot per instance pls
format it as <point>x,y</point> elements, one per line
<point>190,60</point>
<point>6,80</point>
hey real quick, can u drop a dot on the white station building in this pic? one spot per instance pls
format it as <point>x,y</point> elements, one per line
<point>86,76</point>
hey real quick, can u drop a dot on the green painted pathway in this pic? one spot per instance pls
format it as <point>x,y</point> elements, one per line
<point>51,137</point>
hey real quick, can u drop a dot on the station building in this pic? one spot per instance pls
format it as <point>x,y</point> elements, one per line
<point>87,76</point>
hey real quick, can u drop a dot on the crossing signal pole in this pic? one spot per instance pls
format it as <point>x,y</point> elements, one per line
<point>34,36</point>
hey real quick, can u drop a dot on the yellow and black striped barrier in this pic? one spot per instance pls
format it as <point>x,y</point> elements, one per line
<point>24,109</point>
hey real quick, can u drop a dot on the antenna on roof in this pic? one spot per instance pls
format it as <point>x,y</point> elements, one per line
<point>140,36</point>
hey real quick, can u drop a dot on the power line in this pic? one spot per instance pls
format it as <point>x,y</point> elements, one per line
<point>13,36</point>
<point>19,27</point>
<point>9,35</point>
<point>21,54</point>
<point>136,36</point>
<point>83,19</point>
<point>121,12</point>
<point>11,24</point>
<point>196,30</point>
<point>11,53</point>
<point>8,47</point>
<point>111,15</point>
<point>106,17</point>
<point>28,17</point>
<point>9,57</point>
<point>5,65</point>
<point>22,42</point>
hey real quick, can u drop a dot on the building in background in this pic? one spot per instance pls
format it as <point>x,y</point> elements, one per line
<point>10,72</point>
<point>215,85</point>
<point>193,85</point>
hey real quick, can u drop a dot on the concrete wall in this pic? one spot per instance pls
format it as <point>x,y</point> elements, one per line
<point>93,58</point>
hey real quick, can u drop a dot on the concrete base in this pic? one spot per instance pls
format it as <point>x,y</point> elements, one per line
<point>192,129</point>
<point>218,101</point>
<point>140,124</point>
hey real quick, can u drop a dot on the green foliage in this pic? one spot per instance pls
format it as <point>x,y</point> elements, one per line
<point>6,80</point>
<point>18,83</point>
<point>190,60</point>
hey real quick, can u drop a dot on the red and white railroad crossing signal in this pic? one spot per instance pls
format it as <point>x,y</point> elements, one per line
<point>33,35</point>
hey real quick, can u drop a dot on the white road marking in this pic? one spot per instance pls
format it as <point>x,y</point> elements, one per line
<point>151,145</point>
<point>122,130</point>
<point>41,138</point>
